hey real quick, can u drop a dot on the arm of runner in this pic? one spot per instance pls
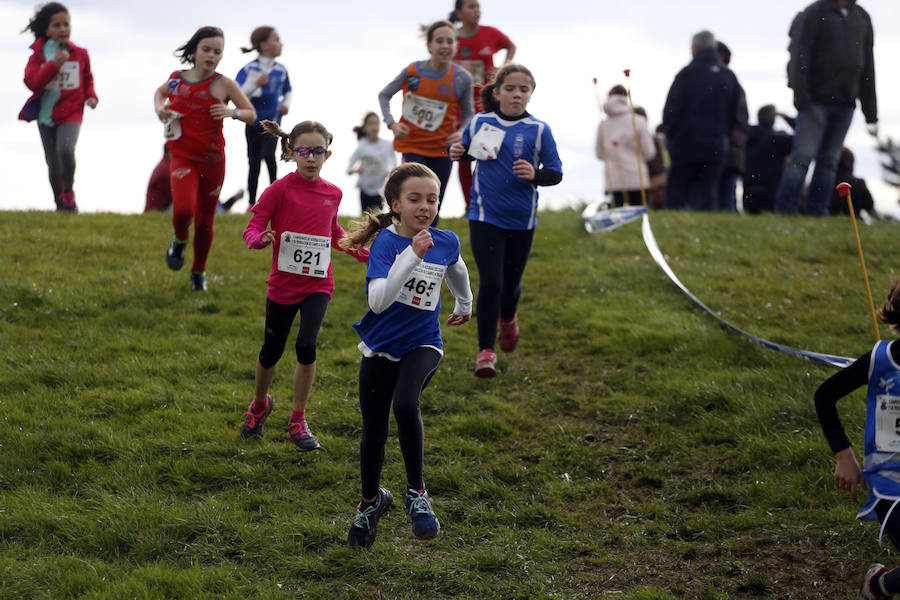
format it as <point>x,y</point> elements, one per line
<point>384,290</point>
<point>385,95</point>
<point>160,106</point>
<point>457,277</point>
<point>847,475</point>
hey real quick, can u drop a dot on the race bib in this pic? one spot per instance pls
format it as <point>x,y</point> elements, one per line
<point>172,127</point>
<point>423,288</point>
<point>69,77</point>
<point>304,254</point>
<point>424,113</point>
<point>486,143</point>
<point>887,423</point>
<point>475,69</point>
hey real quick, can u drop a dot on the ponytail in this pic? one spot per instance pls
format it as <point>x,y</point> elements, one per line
<point>889,313</point>
<point>257,37</point>
<point>272,128</point>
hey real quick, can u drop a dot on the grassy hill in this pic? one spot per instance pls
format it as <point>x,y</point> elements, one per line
<point>630,448</point>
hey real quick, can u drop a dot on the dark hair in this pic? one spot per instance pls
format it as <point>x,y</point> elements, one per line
<point>766,115</point>
<point>288,139</point>
<point>453,18</point>
<point>724,52</point>
<point>186,52</point>
<point>618,90</point>
<point>360,233</point>
<point>640,110</point>
<point>41,20</point>
<point>429,31</point>
<point>257,37</point>
<point>360,130</point>
<point>487,92</point>
<point>889,312</point>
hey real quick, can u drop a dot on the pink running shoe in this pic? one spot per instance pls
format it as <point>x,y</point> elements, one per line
<point>68,202</point>
<point>486,363</point>
<point>870,589</point>
<point>509,334</point>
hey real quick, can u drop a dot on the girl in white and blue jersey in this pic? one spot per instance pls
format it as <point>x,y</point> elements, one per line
<point>514,153</point>
<point>401,337</point>
<point>268,86</point>
<point>879,369</point>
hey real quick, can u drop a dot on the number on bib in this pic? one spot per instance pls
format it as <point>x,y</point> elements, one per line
<point>424,113</point>
<point>423,288</point>
<point>304,254</point>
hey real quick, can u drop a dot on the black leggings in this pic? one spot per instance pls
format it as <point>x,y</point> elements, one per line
<point>501,256</point>
<point>260,146</point>
<point>384,382</point>
<point>280,317</point>
<point>59,152</point>
<point>892,530</point>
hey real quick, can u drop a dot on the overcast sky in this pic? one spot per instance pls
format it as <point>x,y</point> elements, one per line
<point>341,53</point>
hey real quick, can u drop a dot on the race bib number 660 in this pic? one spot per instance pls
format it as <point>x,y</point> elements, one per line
<point>423,288</point>
<point>424,113</point>
<point>304,254</point>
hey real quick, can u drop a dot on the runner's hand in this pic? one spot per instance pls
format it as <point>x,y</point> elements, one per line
<point>421,243</point>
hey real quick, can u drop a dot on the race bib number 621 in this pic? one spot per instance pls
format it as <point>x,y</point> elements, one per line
<point>304,254</point>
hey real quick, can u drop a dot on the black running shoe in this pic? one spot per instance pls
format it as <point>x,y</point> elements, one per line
<point>424,524</point>
<point>300,434</point>
<point>198,282</point>
<point>254,423</point>
<point>175,254</point>
<point>362,532</point>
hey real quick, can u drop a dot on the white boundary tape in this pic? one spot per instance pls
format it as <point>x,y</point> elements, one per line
<point>656,253</point>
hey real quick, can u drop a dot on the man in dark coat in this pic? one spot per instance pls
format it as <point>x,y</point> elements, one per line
<point>699,116</point>
<point>767,150</point>
<point>831,66</point>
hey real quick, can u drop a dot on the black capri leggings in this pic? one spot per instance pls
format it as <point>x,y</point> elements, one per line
<point>501,256</point>
<point>260,146</point>
<point>280,317</point>
<point>384,382</point>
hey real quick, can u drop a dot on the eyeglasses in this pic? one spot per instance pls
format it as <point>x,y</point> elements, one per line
<point>305,151</point>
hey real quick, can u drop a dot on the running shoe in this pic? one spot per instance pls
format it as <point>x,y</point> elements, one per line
<point>255,422</point>
<point>870,589</point>
<point>68,202</point>
<point>175,254</point>
<point>362,532</point>
<point>424,524</point>
<point>486,363</point>
<point>509,334</point>
<point>302,437</point>
<point>198,282</point>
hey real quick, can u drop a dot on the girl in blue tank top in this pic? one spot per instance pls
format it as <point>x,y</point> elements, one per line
<point>879,369</point>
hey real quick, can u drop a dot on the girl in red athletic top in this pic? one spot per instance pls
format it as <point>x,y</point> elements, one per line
<point>476,46</point>
<point>192,104</point>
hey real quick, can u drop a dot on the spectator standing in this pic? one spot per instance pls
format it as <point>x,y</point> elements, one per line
<point>616,148</point>
<point>767,151</point>
<point>831,66</point>
<point>736,162</point>
<point>700,113</point>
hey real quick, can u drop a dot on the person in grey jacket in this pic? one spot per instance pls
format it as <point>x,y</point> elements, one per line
<point>831,66</point>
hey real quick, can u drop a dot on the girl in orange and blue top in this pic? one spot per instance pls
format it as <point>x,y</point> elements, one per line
<point>192,104</point>
<point>436,95</point>
<point>59,74</point>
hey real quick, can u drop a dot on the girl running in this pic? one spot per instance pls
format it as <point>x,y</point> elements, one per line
<point>266,83</point>
<point>434,91</point>
<point>372,160</point>
<point>401,337</point>
<point>476,46</point>
<point>515,153</point>
<point>192,104</point>
<point>59,74</point>
<point>615,147</point>
<point>879,369</point>
<point>302,208</point>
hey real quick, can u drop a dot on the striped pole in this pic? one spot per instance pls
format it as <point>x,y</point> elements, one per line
<point>637,142</point>
<point>843,190</point>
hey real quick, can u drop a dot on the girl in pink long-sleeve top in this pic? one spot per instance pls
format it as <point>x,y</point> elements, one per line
<point>302,210</point>
<point>59,75</point>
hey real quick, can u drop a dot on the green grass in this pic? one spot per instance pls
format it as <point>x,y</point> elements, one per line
<point>630,448</point>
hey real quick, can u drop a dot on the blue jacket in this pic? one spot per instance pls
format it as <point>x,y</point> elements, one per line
<point>701,110</point>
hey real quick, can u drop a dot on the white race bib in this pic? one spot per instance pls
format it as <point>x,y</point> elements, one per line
<point>475,69</point>
<point>69,77</point>
<point>423,288</point>
<point>887,423</point>
<point>424,113</point>
<point>172,127</point>
<point>486,143</point>
<point>304,254</point>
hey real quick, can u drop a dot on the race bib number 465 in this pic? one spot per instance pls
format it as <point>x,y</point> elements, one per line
<point>887,423</point>
<point>304,254</point>
<point>424,113</point>
<point>423,288</point>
